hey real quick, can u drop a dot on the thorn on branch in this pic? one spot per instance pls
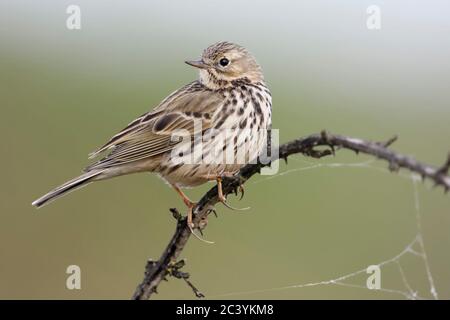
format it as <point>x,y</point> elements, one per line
<point>212,210</point>
<point>445,167</point>
<point>388,142</point>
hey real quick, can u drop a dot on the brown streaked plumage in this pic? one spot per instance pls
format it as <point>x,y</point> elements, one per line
<point>230,94</point>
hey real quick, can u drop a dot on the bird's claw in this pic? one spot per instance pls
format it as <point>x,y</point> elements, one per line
<point>200,226</point>
<point>223,200</point>
<point>241,190</point>
<point>201,235</point>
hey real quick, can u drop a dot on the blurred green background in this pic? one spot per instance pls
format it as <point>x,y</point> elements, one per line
<point>65,92</point>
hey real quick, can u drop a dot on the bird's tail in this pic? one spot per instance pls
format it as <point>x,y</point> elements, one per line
<point>67,187</point>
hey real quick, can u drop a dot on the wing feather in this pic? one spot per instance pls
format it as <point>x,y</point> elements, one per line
<point>150,134</point>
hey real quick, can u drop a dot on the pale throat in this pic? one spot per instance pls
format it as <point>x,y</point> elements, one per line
<point>212,81</point>
<point>215,81</point>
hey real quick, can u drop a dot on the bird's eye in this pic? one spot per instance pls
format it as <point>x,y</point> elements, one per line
<point>224,62</point>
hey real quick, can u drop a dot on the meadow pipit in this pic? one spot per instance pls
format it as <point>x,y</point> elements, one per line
<point>226,113</point>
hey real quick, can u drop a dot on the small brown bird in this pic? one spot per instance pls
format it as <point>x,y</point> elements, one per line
<point>230,100</point>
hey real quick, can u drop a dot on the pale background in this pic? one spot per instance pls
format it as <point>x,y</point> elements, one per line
<point>63,93</point>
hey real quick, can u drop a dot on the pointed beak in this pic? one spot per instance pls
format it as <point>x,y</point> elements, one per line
<point>197,63</point>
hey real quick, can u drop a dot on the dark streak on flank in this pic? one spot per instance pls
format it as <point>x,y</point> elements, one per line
<point>172,169</point>
<point>243,124</point>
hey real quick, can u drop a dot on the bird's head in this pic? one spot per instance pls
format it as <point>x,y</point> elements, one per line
<point>225,62</point>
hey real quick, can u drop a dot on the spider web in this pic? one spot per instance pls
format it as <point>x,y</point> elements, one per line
<point>415,247</point>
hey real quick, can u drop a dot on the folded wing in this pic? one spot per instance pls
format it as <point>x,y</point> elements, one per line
<point>151,134</point>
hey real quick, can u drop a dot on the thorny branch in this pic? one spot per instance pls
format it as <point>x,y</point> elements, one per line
<point>167,265</point>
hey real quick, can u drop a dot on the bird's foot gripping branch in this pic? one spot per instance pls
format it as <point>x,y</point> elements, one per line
<point>316,146</point>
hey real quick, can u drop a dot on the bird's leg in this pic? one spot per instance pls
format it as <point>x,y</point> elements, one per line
<point>188,203</point>
<point>220,191</point>
<point>220,195</point>
<point>190,206</point>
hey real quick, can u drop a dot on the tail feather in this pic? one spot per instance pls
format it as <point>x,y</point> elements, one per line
<point>67,187</point>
